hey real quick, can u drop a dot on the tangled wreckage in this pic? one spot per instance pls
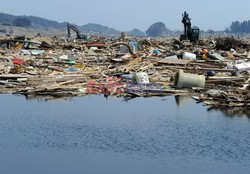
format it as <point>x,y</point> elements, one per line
<point>215,71</point>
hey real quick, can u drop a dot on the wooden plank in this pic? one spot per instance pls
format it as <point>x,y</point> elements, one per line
<point>174,61</point>
<point>15,76</point>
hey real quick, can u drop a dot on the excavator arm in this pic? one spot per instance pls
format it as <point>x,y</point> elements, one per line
<point>75,29</point>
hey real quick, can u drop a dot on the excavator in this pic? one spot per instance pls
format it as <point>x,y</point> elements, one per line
<point>190,33</point>
<point>76,30</point>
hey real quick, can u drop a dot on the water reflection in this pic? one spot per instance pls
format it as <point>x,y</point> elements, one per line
<point>182,100</point>
<point>179,100</point>
<point>231,112</point>
<point>158,135</point>
<point>47,98</point>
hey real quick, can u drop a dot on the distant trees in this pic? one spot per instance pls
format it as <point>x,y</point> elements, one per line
<point>36,22</point>
<point>239,27</point>
<point>22,22</point>
<point>211,31</point>
<point>6,19</point>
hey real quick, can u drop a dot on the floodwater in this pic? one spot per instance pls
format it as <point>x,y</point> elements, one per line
<point>96,135</point>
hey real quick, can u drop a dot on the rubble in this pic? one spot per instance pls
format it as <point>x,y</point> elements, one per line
<point>135,67</point>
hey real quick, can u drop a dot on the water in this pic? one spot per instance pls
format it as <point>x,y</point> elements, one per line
<point>145,135</point>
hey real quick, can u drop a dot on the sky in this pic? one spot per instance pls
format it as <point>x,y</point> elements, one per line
<point>125,15</point>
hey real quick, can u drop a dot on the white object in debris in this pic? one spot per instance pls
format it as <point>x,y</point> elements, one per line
<point>188,56</point>
<point>232,51</point>
<point>141,77</point>
<point>242,66</point>
<point>171,57</point>
<point>63,57</point>
<point>25,52</point>
<point>93,48</point>
<point>37,52</point>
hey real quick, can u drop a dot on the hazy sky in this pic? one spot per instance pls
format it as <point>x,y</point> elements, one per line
<point>129,14</point>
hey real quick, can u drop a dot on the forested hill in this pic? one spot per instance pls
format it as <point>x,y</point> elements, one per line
<point>38,22</point>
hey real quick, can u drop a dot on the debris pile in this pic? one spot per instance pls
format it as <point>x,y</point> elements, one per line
<point>214,71</point>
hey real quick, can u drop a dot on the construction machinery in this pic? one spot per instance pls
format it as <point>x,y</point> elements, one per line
<point>76,30</point>
<point>190,33</point>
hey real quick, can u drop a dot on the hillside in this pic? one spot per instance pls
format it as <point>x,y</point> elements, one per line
<point>101,29</point>
<point>158,29</point>
<point>38,22</point>
<point>136,32</point>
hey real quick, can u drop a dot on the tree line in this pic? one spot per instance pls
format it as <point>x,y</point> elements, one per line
<point>239,27</point>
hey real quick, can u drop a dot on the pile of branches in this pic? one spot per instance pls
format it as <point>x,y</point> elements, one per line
<point>226,43</point>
